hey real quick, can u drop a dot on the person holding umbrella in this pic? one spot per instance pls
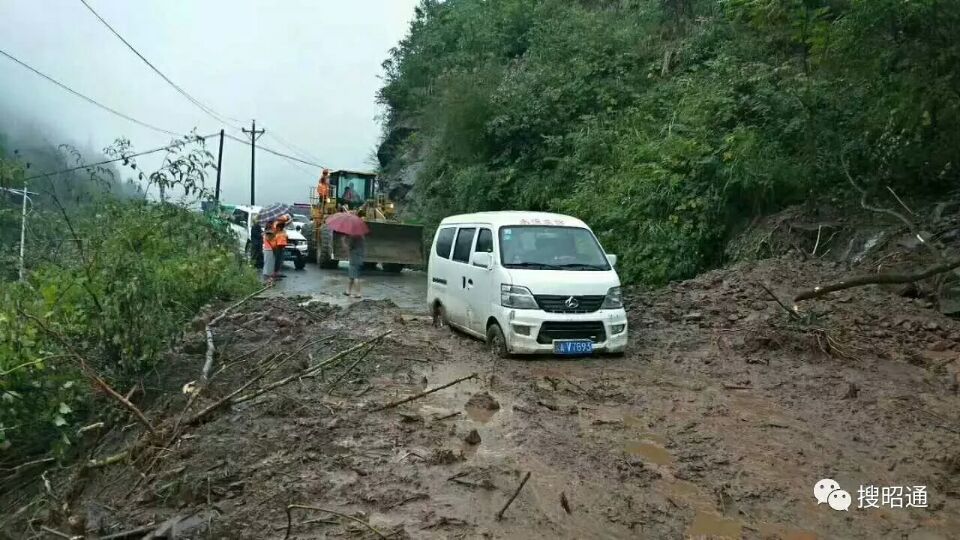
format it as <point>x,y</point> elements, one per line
<point>268,245</point>
<point>357,249</point>
<point>269,216</point>
<point>353,229</point>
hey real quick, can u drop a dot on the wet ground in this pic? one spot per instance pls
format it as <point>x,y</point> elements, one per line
<point>718,423</point>
<point>408,289</point>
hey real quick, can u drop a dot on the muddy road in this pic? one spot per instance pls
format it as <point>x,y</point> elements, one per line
<point>717,424</point>
<point>407,289</point>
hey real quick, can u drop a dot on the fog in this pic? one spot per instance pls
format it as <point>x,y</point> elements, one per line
<point>307,71</point>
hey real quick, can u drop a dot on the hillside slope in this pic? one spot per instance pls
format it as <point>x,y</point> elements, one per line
<point>670,124</point>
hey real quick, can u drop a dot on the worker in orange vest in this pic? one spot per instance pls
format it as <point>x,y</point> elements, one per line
<point>280,242</point>
<point>269,267</point>
<point>323,187</point>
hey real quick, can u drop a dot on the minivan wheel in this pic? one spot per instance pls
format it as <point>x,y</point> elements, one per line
<point>496,341</point>
<point>440,316</point>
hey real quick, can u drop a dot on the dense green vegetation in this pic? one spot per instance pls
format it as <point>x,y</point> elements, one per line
<point>670,124</point>
<point>110,280</point>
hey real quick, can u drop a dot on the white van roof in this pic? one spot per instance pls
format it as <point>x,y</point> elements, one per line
<point>514,217</point>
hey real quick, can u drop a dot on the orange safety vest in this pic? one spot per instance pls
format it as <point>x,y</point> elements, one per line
<point>280,240</point>
<point>323,191</point>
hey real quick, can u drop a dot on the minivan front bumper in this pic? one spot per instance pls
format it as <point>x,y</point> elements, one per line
<point>529,331</point>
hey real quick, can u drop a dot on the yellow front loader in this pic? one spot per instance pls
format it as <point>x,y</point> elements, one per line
<point>392,244</point>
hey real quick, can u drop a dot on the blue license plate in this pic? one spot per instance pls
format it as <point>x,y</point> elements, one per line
<point>572,347</point>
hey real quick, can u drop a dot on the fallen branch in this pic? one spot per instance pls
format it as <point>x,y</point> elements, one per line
<point>817,244</point>
<point>123,401</point>
<point>57,533</point>
<point>422,394</point>
<point>139,531</point>
<point>91,374</point>
<point>899,200</point>
<point>878,279</point>
<point>208,364</point>
<point>14,470</point>
<point>793,312</point>
<point>318,509</point>
<point>229,398</point>
<point>109,460</point>
<point>308,370</point>
<point>914,230</point>
<point>515,493</point>
<point>353,365</point>
<point>244,356</point>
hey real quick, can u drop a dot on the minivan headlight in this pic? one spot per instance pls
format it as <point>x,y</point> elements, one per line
<point>613,300</point>
<point>512,296</point>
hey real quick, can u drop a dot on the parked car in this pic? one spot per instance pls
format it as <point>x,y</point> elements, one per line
<point>527,283</point>
<point>242,222</point>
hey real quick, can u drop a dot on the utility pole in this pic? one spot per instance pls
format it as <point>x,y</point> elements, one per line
<point>23,228</point>
<point>254,135</point>
<point>216,194</point>
<point>23,222</point>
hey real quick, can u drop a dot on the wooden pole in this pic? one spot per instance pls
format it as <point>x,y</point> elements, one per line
<point>216,195</point>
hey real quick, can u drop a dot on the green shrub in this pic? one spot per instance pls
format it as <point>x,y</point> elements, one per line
<point>134,274</point>
<point>668,125</point>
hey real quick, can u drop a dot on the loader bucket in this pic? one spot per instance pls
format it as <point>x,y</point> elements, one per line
<point>391,243</point>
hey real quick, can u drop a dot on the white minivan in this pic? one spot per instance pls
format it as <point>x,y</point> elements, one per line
<point>527,283</point>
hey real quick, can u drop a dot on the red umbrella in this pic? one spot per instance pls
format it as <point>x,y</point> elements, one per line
<point>348,224</point>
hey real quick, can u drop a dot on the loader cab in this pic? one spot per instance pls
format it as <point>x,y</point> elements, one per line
<point>353,189</point>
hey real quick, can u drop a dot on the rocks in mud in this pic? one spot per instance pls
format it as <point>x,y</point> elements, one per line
<point>194,344</point>
<point>693,316</point>
<point>483,400</point>
<point>472,438</point>
<point>445,456</point>
<point>410,418</point>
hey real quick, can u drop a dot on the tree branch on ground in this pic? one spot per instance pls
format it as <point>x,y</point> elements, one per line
<point>208,364</point>
<point>878,279</point>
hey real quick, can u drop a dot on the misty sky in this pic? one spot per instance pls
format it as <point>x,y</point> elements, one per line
<point>306,70</point>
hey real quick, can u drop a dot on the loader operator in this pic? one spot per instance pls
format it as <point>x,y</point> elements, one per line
<point>323,187</point>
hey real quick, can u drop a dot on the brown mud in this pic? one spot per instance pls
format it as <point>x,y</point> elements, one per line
<point>717,424</point>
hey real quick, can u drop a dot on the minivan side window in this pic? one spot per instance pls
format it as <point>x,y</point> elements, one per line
<point>445,241</point>
<point>484,241</point>
<point>461,251</point>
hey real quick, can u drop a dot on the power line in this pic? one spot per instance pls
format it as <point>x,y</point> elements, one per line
<point>213,114</point>
<point>85,98</point>
<point>292,147</point>
<point>124,158</point>
<point>274,152</point>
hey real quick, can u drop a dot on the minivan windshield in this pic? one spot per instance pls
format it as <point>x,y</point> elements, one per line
<point>551,248</point>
